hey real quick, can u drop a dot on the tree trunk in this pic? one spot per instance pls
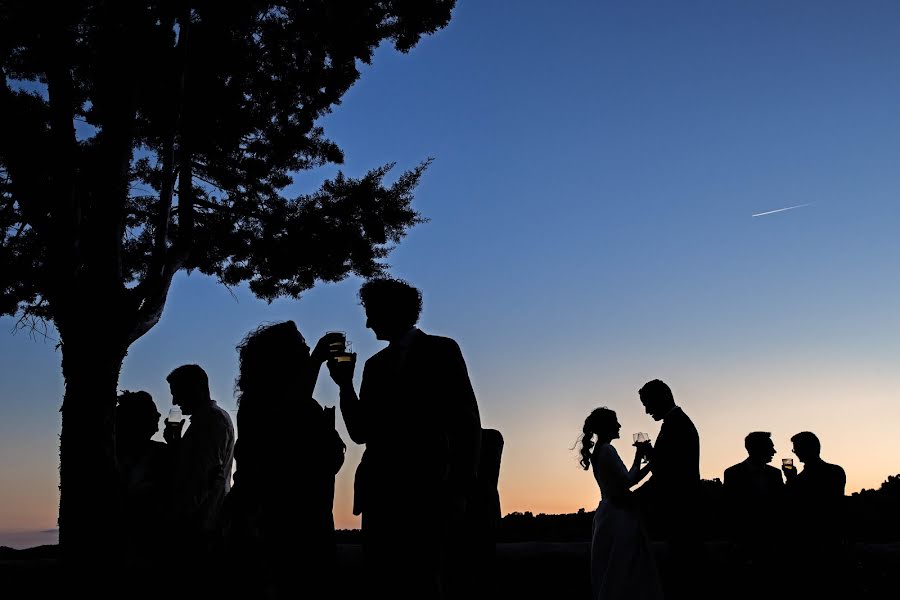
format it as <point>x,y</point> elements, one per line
<point>88,508</point>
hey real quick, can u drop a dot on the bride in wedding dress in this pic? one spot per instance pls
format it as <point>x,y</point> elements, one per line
<point>622,564</point>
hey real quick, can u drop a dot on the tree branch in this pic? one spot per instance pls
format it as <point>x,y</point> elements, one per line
<point>65,213</point>
<point>158,259</point>
<point>155,289</point>
<point>185,167</point>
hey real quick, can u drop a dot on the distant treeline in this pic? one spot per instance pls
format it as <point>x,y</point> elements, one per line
<point>871,516</point>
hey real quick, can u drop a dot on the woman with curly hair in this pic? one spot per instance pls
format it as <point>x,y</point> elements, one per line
<point>279,521</point>
<point>622,564</point>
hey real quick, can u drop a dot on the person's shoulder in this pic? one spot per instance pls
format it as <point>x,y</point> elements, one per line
<point>378,357</point>
<point>680,418</point>
<point>735,470</point>
<point>220,414</point>
<point>773,473</point>
<point>836,469</point>
<point>439,343</point>
<point>683,415</point>
<point>435,340</point>
<point>603,451</point>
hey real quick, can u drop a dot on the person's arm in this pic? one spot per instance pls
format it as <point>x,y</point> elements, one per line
<point>337,446</point>
<point>790,477</point>
<point>464,422</point>
<point>636,473</point>
<point>210,444</point>
<point>353,409</point>
<point>319,355</point>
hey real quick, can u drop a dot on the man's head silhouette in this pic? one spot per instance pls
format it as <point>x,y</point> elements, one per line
<point>760,447</point>
<point>392,307</point>
<point>657,399</point>
<point>190,388</point>
<point>806,446</point>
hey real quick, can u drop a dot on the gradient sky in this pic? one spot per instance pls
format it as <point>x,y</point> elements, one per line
<point>596,167</point>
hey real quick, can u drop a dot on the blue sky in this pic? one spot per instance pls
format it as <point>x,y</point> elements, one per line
<point>596,168</point>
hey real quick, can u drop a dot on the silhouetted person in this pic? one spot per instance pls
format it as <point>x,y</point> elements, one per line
<point>816,495</point>
<point>622,563</point>
<point>418,417</point>
<point>144,477</point>
<point>281,533</point>
<point>754,496</point>
<point>482,520</point>
<point>672,492</point>
<point>203,460</point>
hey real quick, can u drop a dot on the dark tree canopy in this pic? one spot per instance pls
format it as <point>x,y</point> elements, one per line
<point>140,138</point>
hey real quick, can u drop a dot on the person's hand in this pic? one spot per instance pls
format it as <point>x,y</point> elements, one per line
<point>644,449</point>
<point>322,351</point>
<point>342,371</point>
<point>789,474</point>
<point>172,431</point>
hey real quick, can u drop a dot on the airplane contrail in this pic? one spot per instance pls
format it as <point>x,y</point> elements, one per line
<point>778,210</point>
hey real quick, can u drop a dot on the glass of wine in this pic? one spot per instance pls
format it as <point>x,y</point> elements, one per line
<point>642,442</point>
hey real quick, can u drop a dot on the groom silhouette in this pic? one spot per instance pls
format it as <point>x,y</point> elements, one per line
<point>672,491</point>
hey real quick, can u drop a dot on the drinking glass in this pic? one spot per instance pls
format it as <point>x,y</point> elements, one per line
<point>338,346</point>
<point>642,440</point>
<point>347,354</point>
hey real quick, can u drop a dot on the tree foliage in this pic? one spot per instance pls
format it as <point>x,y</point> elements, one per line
<point>141,138</point>
<point>138,139</point>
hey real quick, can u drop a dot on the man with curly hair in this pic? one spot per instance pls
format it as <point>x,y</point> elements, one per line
<point>417,415</point>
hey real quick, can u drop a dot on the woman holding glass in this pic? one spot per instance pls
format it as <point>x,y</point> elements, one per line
<point>280,528</point>
<point>622,564</point>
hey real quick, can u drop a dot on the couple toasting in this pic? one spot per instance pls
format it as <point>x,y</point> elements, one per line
<point>622,563</point>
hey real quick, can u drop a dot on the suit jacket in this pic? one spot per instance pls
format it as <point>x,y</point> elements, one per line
<point>817,495</point>
<point>754,497</point>
<point>675,465</point>
<point>418,417</point>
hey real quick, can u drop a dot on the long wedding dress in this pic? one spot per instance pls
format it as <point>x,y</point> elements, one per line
<point>622,563</point>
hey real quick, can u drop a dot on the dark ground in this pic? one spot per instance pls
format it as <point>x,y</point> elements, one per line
<point>524,570</point>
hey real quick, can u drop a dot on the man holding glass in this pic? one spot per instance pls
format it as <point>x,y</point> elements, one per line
<point>817,498</point>
<point>417,415</point>
<point>672,492</point>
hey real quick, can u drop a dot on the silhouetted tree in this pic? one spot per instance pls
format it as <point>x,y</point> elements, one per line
<point>143,138</point>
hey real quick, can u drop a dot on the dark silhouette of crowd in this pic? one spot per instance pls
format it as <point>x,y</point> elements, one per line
<point>430,510</point>
<point>271,534</point>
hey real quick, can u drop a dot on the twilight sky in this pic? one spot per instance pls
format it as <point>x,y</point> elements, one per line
<point>596,167</point>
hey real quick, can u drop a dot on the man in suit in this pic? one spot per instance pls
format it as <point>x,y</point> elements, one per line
<point>816,496</point>
<point>417,415</point>
<point>671,494</point>
<point>754,495</point>
<point>201,477</point>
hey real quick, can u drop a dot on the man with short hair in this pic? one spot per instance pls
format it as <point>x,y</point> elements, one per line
<point>672,492</point>
<point>754,495</point>
<point>417,415</point>
<point>203,456</point>
<point>817,498</point>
